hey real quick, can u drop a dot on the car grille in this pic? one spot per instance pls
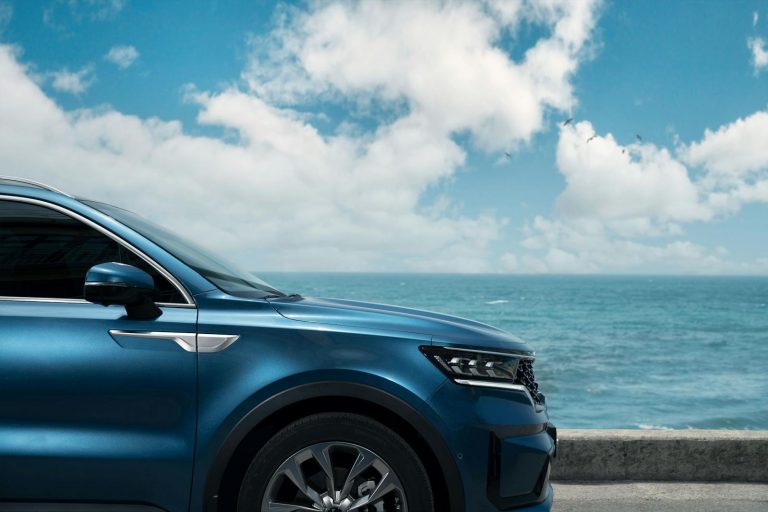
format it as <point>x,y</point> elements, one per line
<point>526,378</point>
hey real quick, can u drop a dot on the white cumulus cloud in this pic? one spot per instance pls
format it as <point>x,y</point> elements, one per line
<point>736,163</point>
<point>283,196</point>
<point>612,182</point>
<point>441,59</point>
<point>73,82</point>
<point>278,192</point>
<point>589,246</point>
<point>122,56</point>
<point>624,207</point>
<point>733,150</point>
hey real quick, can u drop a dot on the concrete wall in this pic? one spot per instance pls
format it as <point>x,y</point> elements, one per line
<point>662,455</point>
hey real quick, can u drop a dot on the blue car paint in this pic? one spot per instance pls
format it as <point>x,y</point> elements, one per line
<point>85,416</point>
<point>85,419</point>
<point>451,329</point>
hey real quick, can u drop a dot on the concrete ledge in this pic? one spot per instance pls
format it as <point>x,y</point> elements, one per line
<point>656,497</point>
<point>662,455</point>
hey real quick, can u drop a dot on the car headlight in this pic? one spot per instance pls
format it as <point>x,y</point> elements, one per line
<point>512,371</point>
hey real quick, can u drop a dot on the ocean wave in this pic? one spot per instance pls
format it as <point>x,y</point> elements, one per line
<point>645,426</point>
<point>499,301</point>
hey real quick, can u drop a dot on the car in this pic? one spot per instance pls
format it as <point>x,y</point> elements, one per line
<point>139,372</point>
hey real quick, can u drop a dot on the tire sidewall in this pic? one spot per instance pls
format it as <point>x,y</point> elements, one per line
<point>343,428</point>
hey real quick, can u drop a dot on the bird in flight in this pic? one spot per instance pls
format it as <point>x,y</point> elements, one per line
<point>590,139</point>
<point>638,137</point>
<point>506,154</point>
<point>568,121</point>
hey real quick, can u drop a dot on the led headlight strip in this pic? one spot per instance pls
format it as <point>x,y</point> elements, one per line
<point>479,367</point>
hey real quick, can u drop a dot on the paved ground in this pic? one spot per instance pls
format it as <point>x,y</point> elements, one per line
<point>660,497</point>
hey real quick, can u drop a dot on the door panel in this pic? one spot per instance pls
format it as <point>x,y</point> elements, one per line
<point>85,418</point>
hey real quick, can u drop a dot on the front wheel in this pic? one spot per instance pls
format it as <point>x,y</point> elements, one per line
<point>336,462</point>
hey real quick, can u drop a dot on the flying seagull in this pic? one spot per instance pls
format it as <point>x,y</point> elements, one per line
<point>590,139</point>
<point>568,121</point>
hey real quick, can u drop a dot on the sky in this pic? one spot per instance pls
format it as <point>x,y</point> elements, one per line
<point>514,136</point>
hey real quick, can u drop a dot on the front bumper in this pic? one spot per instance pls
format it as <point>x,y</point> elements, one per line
<point>519,467</point>
<point>503,447</point>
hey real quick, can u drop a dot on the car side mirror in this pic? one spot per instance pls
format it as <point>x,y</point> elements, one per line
<point>124,285</point>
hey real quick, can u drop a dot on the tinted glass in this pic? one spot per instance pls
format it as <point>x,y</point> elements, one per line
<point>46,254</point>
<point>223,274</point>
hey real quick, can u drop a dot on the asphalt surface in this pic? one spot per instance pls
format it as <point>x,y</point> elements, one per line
<point>660,497</point>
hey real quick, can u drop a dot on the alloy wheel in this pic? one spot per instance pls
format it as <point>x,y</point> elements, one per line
<point>334,477</point>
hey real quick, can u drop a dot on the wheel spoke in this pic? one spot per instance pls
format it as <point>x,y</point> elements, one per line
<point>288,507</point>
<point>387,484</point>
<point>292,469</point>
<point>364,460</point>
<point>322,454</point>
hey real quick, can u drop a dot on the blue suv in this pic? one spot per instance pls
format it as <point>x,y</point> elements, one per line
<point>138,372</point>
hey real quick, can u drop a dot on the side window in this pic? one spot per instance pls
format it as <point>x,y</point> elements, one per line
<point>46,254</point>
<point>164,290</point>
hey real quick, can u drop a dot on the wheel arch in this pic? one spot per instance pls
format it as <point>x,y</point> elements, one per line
<point>264,420</point>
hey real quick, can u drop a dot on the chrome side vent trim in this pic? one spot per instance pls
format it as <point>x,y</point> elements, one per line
<point>189,341</point>
<point>215,342</point>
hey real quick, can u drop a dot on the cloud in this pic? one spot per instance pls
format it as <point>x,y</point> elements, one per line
<point>759,53</point>
<point>625,206</point>
<point>565,246</point>
<point>735,162</point>
<point>441,59</point>
<point>755,18</point>
<point>601,174</point>
<point>290,196</point>
<point>97,10</point>
<point>73,82</point>
<point>414,82</point>
<point>286,197</point>
<point>734,150</point>
<point>61,13</point>
<point>122,56</point>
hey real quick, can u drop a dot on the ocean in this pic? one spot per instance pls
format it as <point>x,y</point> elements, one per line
<point>612,351</point>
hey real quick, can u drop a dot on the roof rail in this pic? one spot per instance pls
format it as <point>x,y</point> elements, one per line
<point>31,183</point>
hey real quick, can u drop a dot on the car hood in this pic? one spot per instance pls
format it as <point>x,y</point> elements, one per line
<point>444,329</point>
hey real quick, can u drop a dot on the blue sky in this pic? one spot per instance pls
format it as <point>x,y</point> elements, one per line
<point>372,135</point>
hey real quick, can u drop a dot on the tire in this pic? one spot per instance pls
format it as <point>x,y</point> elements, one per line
<point>343,441</point>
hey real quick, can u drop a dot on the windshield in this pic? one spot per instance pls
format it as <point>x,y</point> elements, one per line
<point>225,275</point>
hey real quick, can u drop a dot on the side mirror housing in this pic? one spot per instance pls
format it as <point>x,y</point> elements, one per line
<point>124,285</point>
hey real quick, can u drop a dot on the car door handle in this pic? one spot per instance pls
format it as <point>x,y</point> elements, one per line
<point>189,341</point>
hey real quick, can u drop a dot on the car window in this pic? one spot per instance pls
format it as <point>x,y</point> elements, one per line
<point>225,275</point>
<point>46,254</point>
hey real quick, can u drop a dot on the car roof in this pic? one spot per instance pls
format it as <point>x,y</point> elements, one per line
<point>24,182</point>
